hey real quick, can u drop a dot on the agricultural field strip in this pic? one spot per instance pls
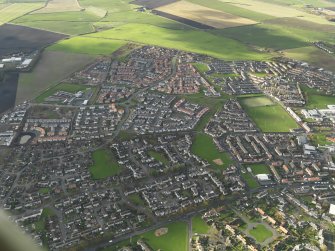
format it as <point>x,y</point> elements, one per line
<point>60,6</point>
<point>204,15</point>
<point>16,10</point>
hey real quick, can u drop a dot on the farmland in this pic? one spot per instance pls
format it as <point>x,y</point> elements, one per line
<point>204,15</point>
<point>188,40</point>
<point>268,117</point>
<point>104,164</point>
<point>62,64</point>
<point>16,10</point>
<point>88,45</point>
<point>60,6</point>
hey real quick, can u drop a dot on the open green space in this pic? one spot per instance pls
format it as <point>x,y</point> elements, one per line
<point>202,68</point>
<point>105,164</point>
<point>15,10</point>
<point>312,55</point>
<point>188,40</point>
<point>320,139</point>
<point>205,148</point>
<point>260,233</point>
<point>175,240</point>
<point>88,45</point>
<point>72,88</point>
<point>159,157</point>
<point>316,99</point>
<point>136,199</point>
<point>268,116</point>
<point>250,180</point>
<point>259,168</point>
<point>44,190</point>
<point>199,226</point>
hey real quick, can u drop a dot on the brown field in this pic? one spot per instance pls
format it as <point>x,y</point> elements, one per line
<point>204,15</point>
<point>161,231</point>
<point>60,6</point>
<point>51,69</point>
<point>218,162</point>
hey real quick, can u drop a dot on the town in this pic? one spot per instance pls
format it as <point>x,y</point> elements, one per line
<point>129,144</point>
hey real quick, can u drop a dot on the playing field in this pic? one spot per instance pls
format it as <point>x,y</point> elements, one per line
<point>16,10</point>
<point>104,165</point>
<point>250,180</point>
<point>259,169</point>
<point>260,233</point>
<point>268,116</point>
<point>205,148</point>
<point>41,78</point>
<point>60,6</point>
<point>204,15</point>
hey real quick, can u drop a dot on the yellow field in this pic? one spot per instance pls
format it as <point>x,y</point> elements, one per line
<point>204,15</point>
<point>16,10</point>
<point>96,11</point>
<point>60,6</point>
<point>277,10</point>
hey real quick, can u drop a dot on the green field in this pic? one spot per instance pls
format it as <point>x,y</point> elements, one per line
<point>136,199</point>
<point>260,233</point>
<point>312,55</point>
<point>160,157</point>
<point>104,165</point>
<point>72,88</point>
<point>88,45</point>
<point>268,116</point>
<point>16,10</point>
<point>188,40</point>
<point>202,68</point>
<point>175,240</point>
<point>316,99</point>
<point>250,180</point>
<point>259,168</point>
<point>205,148</point>
<point>199,226</point>
<point>320,139</point>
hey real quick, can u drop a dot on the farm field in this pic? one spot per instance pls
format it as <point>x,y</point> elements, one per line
<point>41,78</point>
<point>88,45</point>
<point>317,99</point>
<point>199,226</point>
<point>71,23</point>
<point>60,6</point>
<point>268,117</point>
<point>15,10</point>
<point>260,233</point>
<point>104,164</point>
<point>203,141</point>
<point>72,88</point>
<point>189,40</point>
<point>175,240</point>
<point>312,55</point>
<point>204,15</point>
<point>28,39</point>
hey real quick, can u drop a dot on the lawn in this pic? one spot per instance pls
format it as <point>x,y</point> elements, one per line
<point>250,180</point>
<point>72,88</point>
<point>175,240</point>
<point>260,233</point>
<point>269,118</point>
<point>199,226</point>
<point>88,45</point>
<point>205,148</point>
<point>316,99</point>
<point>188,40</point>
<point>202,68</point>
<point>320,139</point>
<point>259,169</point>
<point>160,157</point>
<point>136,199</point>
<point>104,165</point>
